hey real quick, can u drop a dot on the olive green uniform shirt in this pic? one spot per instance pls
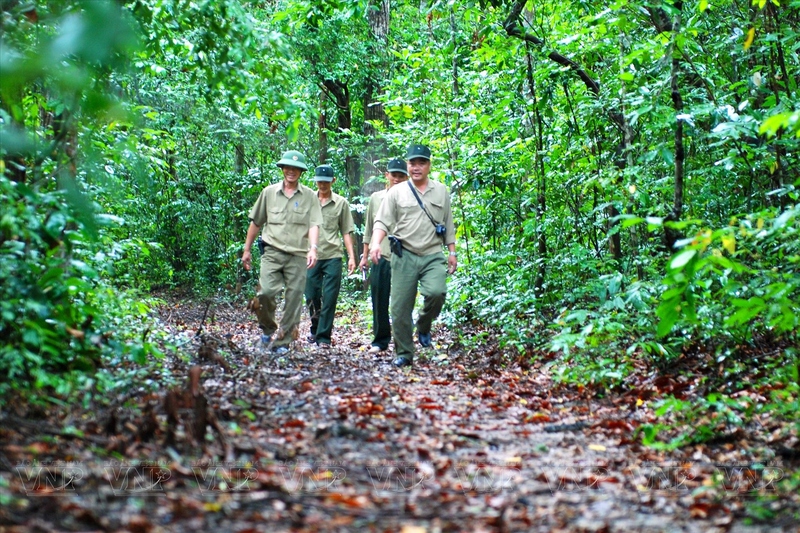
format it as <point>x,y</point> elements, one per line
<point>401,211</point>
<point>285,221</point>
<point>372,210</point>
<point>336,217</point>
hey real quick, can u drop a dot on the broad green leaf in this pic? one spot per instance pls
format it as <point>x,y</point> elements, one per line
<point>681,259</point>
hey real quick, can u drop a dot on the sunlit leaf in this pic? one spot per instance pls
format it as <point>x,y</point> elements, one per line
<point>681,259</point>
<point>751,33</point>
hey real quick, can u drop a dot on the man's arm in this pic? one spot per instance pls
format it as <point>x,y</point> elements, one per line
<point>364,257</point>
<point>347,227</point>
<point>450,235</point>
<point>452,260</point>
<point>313,240</point>
<point>384,221</point>
<point>252,233</point>
<point>368,219</point>
<point>375,245</point>
<point>351,259</point>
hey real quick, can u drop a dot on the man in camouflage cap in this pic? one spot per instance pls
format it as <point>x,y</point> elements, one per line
<point>287,215</point>
<point>381,274</point>
<point>325,278</point>
<point>419,214</point>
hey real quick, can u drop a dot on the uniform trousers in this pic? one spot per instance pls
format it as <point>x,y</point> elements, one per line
<point>411,272</point>
<point>279,271</point>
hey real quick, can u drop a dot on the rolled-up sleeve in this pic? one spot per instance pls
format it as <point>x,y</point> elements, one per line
<point>386,219</point>
<point>260,210</point>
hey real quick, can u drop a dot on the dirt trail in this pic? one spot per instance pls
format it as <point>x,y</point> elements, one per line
<point>339,440</point>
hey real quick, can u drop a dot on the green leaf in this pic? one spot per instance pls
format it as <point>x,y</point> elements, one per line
<point>681,259</point>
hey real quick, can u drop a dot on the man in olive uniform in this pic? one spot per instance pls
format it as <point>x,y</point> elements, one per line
<point>381,275</point>
<point>419,214</point>
<point>325,278</point>
<point>287,215</point>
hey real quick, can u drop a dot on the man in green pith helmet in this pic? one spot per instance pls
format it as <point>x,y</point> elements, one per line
<point>325,278</point>
<point>419,214</point>
<point>288,217</point>
<point>381,274</point>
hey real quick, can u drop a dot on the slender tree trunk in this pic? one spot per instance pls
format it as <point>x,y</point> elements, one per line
<point>777,174</point>
<point>378,17</point>
<point>454,36</point>
<point>673,235</point>
<point>541,203</point>
<point>239,158</point>
<point>627,150</point>
<point>322,127</point>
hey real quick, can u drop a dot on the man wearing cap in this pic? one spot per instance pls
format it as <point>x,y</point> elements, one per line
<point>381,275</point>
<point>325,278</point>
<point>419,214</point>
<point>288,216</point>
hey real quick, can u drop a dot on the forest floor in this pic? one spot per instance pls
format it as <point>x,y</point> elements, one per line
<point>339,440</point>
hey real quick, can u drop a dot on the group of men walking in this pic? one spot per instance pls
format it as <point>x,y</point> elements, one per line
<point>299,229</point>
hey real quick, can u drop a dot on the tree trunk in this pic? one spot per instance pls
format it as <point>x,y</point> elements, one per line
<point>373,109</point>
<point>778,177</point>
<point>239,159</point>
<point>541,203</point>
<point>322,126</point>
<point>454,33</point>
<point>671,235</point>
<point>627,162</point>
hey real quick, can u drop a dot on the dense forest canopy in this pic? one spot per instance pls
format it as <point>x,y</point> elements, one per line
<point>624,175</point>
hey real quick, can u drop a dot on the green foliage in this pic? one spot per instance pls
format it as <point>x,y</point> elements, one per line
<point>736,405</point>
<point>59,318</point>
<point>699,420</point>
<point>735,282</point>
<point>562,160</point>
<point>599,348</point>
<point>62,321</point>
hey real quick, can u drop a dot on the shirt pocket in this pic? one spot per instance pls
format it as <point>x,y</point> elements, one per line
<point>406,208</point>
<point>330,222</point>
<point>276,216</point>
<point>298,214</point>
<point>437,211</point>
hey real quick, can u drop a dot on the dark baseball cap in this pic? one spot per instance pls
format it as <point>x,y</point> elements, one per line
<point>397,165</point>
<point>418,151</point>
<point>323,173</point>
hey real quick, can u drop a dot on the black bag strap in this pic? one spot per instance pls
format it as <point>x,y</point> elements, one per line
<point>421,205</point>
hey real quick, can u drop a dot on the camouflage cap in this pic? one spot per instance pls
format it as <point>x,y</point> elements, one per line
<point>418,151</point>
<point>293,158</point>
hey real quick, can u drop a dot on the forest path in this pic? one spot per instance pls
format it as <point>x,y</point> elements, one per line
<point>339,440</point>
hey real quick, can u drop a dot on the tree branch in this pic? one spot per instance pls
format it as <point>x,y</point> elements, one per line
<point>513,29</point>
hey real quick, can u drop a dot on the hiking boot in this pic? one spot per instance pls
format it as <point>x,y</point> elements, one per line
<point>374,349</point>
<point>402,361</point>
<point>424,339</point>
<point>266,339</point>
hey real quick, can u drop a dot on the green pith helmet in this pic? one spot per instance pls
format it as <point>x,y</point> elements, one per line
<point>293,158</point>
<point>397,165</point>
<point>418,150</point>
<point>323,173</point>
